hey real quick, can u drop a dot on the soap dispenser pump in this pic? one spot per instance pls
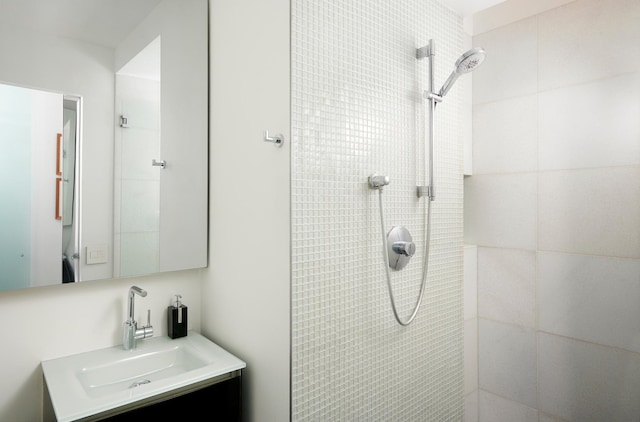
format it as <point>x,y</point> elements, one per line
<point>177,319</point>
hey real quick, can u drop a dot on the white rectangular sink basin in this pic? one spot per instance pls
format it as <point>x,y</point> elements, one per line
<point>99,381</point>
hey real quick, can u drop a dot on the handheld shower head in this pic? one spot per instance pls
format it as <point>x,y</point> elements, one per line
<point>465,64</point>
<point>470,60</point>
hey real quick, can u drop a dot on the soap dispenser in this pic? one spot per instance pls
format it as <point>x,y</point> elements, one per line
<point>177,319</point>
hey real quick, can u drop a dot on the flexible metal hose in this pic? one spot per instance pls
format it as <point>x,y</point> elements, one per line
<point>425,266</point>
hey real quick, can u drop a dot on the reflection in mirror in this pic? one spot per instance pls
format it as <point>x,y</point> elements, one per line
<point>116,214</point>
<point>137,199</point>
<point>30,138</point>
<point>38,139</point>
<point>70,143</point>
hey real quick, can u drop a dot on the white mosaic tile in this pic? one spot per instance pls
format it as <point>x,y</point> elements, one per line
<point>357,109</point>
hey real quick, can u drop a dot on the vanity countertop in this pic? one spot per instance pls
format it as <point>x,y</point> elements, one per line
<point>100,381</point>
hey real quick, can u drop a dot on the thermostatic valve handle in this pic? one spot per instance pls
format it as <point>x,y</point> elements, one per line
<point>404,248</point>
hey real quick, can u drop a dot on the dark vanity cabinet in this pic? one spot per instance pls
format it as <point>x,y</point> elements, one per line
<point>221,402</point>
<point>217,399</point>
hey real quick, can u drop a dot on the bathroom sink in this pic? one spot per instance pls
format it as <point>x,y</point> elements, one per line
<point>105,376</point>
<point>102,380</point>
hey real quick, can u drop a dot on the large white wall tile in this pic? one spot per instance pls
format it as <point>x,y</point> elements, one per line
<point>471,407</point>
<point>470,356</point>
<point>501,210</point>
<point>586,382</point>
<point>590,125</point>
<point>507,361</point>
<point>548,418</point>
<point>590,298</point>
<point>506,286</point>
<point>573,112</point>
<point>507,12</point>
<point>511,66</point>
<point>588,39</point>
<point>591,211</point>
<point>505,135</point>
<point>466,112</point>
<point>493,408</point>
<point>470,282</point>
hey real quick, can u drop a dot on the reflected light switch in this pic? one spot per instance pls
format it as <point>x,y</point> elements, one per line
<point>97,254</point>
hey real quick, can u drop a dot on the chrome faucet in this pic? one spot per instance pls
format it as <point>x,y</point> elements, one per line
<point>131,333</point>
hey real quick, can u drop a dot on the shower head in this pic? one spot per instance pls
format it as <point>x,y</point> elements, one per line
<point>465,64</point>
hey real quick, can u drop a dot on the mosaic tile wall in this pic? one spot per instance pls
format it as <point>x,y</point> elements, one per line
<point>357,109</point>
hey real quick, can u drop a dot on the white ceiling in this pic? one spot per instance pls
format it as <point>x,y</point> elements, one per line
<point>108,22</point>
<point>102,22</point>
<point>469,7</point>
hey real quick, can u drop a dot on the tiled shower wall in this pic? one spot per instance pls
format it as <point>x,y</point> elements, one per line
<point>553,205</point>
<point>357,109</point>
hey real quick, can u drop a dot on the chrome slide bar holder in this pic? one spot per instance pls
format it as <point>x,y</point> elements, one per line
<point>426,191</point>
<point>429,52</point>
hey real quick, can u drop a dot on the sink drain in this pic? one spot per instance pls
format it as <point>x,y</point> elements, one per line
<point>139,383</point>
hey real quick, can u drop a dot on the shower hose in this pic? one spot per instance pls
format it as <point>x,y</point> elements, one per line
<point>425,266</point>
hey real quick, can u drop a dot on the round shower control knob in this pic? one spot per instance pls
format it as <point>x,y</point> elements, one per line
<point>404,248</point>
<point>400,247</point>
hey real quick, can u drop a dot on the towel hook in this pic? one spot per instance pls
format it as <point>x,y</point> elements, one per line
<point>158,163</point>
<point>277,139</point>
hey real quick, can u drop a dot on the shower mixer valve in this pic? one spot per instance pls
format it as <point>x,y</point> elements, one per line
<point>400,247</point>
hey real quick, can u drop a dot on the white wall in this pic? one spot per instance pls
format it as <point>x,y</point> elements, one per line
<point>246,294</point>
<point>553,205</point>
<point>470,333</point>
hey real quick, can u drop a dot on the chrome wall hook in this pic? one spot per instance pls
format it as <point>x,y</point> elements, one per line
<point>277,139</point>
<point>158,163</point>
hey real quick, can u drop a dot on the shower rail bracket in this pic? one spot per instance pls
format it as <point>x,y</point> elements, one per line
<point>428,95</point>
<point>428,50</point>
<point>427,191</point>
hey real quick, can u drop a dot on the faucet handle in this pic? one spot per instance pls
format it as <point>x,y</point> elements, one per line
<point>147,330</point>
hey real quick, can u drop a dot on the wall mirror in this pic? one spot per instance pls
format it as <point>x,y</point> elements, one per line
<point>104,123</point>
